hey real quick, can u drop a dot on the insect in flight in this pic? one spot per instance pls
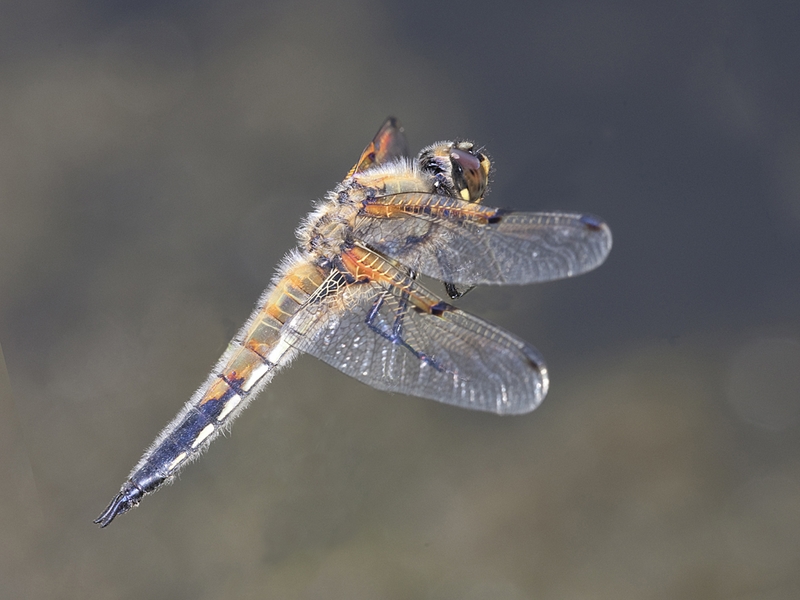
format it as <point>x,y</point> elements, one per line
<point>349,296</point>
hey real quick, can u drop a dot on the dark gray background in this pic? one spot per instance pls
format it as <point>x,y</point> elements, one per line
<point>154,162</point>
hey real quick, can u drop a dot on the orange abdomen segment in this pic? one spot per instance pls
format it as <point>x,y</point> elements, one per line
<point>250,355</point>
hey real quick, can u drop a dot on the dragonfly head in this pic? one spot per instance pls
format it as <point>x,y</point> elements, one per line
<point>460,166</point>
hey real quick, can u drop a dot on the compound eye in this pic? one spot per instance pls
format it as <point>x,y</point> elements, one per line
<point>470,174</point>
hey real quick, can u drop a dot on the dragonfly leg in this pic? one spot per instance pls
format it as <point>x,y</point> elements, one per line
<point>453,291</point>
<point>395,333</point>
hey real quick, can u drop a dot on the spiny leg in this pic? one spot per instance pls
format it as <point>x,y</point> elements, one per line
<point>453,291</point>
<point>395,334</point>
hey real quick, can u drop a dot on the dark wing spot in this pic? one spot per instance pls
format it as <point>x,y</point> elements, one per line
<point>532,362</point>
<point>440,307</point>
<point>497,216</point>
<point>592,221</point>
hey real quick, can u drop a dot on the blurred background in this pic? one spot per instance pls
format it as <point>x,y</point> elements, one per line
<point>155,159</point>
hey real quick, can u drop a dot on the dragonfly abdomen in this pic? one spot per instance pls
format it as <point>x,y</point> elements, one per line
<point>248,364</point>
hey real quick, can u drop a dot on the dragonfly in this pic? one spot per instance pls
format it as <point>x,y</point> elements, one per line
<point>350,295</point>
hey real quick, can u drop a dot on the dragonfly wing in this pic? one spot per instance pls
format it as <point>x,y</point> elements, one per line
<point>466,243</point>
<point>388,144</point>
<point>394,335</point>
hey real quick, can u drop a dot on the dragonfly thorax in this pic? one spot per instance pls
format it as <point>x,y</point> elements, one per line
<point>328,230</point>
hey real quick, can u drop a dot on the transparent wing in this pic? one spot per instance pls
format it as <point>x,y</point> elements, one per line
<point>388,144</point>
<point>465,243</point>
<point>377,333</point>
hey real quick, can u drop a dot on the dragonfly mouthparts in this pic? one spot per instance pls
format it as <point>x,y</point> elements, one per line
<point>128,497</point>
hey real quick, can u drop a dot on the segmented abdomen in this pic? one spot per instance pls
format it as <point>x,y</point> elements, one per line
<point>247,366</point>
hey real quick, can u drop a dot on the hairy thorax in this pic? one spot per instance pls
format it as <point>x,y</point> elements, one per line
<point>328,231</point>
